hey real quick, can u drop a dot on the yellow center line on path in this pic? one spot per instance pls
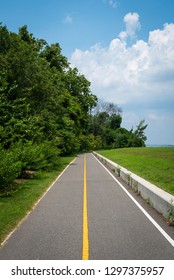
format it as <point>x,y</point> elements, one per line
<point>85,249</point>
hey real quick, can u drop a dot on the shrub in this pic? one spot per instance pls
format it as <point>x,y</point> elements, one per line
<point>67,142</point>
<point>25,156</point>
<point>36,156</point>
<point>9,169</point>
<point>29,154</point>
<point>51,156</point>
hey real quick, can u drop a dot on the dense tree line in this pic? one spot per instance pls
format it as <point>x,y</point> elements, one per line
<point>42,97</point>
<point>106,126</point>
<point>47,108</point>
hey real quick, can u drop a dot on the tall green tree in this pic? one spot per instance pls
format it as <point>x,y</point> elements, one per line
<point>139,137</point>
<point>44,99</point>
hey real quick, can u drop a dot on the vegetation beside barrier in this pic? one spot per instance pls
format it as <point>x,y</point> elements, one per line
<point>155,165</point>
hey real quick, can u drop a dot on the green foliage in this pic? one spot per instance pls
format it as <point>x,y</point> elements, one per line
<point>16,205</point>
<point>51,154</point>
<point>106,123</point>
<point>139,135</point>
<point>20,158</point>
<point>123,138</point>
<point>115,121</point>
<point>41,97</point>
<point>90,142</point>
<point>53,56</point>
<point>46,107</point>
<point>9,169</point>
<point>30,155</point>
<point>68,142</point>
<point>36,156</point>
<point>4,39</point>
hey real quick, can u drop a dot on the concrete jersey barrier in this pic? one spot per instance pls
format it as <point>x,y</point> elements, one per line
<point>162,201</point>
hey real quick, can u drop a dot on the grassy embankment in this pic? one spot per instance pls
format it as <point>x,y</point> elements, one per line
<point>156,165</point>
<point>15,206</point>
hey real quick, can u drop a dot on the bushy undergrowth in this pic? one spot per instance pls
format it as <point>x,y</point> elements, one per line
<point>10,169</point>
<point>21,157</point>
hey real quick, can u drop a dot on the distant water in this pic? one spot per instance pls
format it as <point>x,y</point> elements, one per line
<point>154,145</point>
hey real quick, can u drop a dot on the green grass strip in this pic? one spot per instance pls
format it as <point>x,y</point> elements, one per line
<point>14,207</point>
<point>156,165</point>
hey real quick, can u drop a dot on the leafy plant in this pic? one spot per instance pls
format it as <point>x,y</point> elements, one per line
<point>36,156</point>
<point>9,170</point>
<point>51,156</point>
<point>29,155</point>
<point>117,170</point>
<point>170,216</point>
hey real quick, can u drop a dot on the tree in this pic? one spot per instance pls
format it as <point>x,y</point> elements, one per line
<point>44,99</point>
<point>139,134</point>
<point>107,107</point>
<point>115,121</point>
<point>53,55</point>
<point>106,122</point>
<point>4,39</point>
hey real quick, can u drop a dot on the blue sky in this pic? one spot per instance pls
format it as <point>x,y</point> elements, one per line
<point>125,48</point>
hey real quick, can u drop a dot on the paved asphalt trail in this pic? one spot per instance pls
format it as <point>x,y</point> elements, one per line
<point>117,228</point>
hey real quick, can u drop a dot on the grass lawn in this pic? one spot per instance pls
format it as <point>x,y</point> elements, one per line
<point>15,206</point>
<point>156,165</point>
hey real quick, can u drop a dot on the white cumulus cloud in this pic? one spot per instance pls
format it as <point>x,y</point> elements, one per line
<point>132,24</point>
<point>138,77</point>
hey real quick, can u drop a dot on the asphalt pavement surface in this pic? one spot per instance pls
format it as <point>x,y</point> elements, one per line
<point>116,228</point>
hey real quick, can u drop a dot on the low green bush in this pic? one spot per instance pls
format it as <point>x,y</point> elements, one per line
<point>29,154</point>
<point>10,169</point>
<point>51,154</point>
<point>35,156</point>
<point>21,157</point>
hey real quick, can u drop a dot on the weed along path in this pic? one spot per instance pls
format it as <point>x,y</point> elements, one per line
<point>86,214</point>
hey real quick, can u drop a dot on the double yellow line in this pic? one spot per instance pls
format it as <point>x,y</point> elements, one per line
<point>85,246</point>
